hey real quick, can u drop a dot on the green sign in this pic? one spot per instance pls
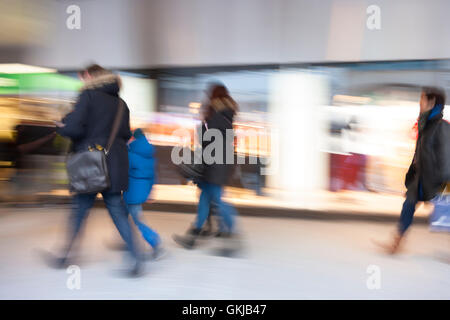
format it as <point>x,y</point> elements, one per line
<point>14,84</point>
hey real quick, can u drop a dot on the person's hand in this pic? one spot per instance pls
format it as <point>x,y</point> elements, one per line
<point>59,124</point>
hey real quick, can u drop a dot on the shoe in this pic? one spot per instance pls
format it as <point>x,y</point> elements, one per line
<point>187,241</point>
<point>231,246</point>
<point>158,253</point>
<point>136,271</point>
<point>393,247</point>
<point>194,232</point>
<point>53,261</point>
<point>222,234</point>
<point>206,233</point>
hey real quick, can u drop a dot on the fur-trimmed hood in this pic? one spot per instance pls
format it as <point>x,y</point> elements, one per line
<point>109,82</point>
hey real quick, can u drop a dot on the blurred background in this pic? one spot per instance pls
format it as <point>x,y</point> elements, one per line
<point>328,93</point>
<point>331,101</point>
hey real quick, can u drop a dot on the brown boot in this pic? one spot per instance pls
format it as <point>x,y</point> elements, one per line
<point>393,246</point>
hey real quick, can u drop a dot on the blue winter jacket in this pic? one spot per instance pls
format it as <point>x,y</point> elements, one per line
<point>141,171</point>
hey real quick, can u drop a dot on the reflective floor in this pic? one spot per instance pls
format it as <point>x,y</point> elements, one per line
<point>282,259</point>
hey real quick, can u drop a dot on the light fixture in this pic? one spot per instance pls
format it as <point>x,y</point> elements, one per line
<point>23,68</point>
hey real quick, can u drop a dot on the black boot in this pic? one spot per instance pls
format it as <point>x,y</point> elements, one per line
<point>53,261</point>
<point>207,232</point>
<point>231,245</point>
<point>136,271</point>
<point>188,241</point>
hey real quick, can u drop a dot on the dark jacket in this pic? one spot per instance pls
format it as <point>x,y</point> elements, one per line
<point>91,121</point>
<point>141,171</point>
<point>430,168</point>
<point>221,119</point>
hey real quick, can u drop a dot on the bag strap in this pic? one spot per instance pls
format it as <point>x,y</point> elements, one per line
<point>115,128</point>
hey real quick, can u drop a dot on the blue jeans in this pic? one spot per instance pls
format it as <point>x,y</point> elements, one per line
<point>148,234</point>
<point>117,210</point>
<point>212,193</point>
<point>408,209</point>
<point>407,215</point>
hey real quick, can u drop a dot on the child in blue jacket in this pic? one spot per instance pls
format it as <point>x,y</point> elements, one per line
<point>141,179</point>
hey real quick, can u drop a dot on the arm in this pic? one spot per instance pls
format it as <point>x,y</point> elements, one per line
<point>75,122</point>
<point>29,147</point>
<point>124,129</point>
<point>131,159</point>
<point>443,151</point>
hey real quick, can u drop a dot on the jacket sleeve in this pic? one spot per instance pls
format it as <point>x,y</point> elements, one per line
<point>410,174</point>
<point>124,131</point>
<point>75,122</point>
<point>131,160</point>
<point>444,151</point>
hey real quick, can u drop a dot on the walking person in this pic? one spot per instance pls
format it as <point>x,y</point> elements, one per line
<point>219,115</point>
<point>89,126</point>
<point>140,183</point>
<point>430,168</point>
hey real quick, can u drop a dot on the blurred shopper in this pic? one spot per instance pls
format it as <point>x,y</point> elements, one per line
<point>140,183</point>
<point>219,115</point>
<point>31,141</point>
<point>89,125</point>
<point>430,167</point>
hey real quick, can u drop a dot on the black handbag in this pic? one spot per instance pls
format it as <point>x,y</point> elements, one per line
<point>87,170</point>
<point>191,171</point>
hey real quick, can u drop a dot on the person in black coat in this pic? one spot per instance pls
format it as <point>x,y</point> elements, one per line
<point>89,126</point>
<point>218,164</point>
<point>429,171</point>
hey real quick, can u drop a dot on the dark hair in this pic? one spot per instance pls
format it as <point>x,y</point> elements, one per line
<point>138,133</point>
<point>435,93</point>
<point>217,90</point>
<point>94,70</point>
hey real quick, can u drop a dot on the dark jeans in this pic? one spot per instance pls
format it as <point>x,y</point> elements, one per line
<point>408,209</point>
<point>117,210</point>
<point>407,215</point>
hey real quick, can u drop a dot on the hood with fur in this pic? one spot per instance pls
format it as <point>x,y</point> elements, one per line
<point>109,83</point>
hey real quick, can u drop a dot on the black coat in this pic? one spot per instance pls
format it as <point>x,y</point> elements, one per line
<point>431,162</point>
<point>222,120</point>
<point>90,124</point>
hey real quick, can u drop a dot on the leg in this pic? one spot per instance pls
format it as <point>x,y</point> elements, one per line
<point>189,240</point>
<point>203,205</point>
<point>118,212</point>
<point>209,220</point>
<point>407,215</point>
<point>221,225</point>
<point>147,233</point>
<point>82,204</point>
<point>232,245</point>
<point>226,211</point>
<point>231,213</point>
